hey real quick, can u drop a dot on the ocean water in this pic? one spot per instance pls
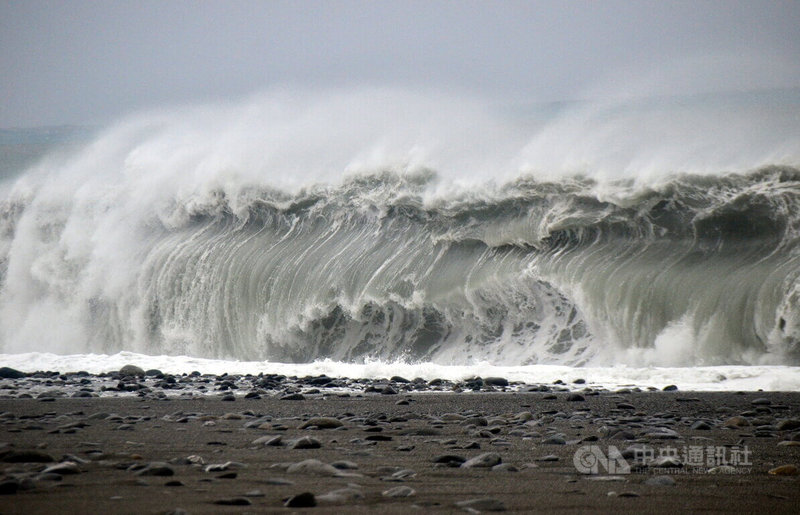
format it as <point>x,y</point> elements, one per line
<point>372,233</point>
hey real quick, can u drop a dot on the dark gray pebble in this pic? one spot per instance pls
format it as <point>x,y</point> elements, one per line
<point>306,442</point>
<point>234,501</point>
<point>156,468</point>
<point>303,500</point>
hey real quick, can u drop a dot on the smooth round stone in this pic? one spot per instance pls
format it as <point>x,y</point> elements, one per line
<point>450,459</point>
<point>788,425</point>
<point>495,381</point>
<point>785,470</point>
<point>11,373</point>
<point>479,505</point>
<point>322,423</point>
<point>303,500</point>
<point>64,469</point>
<point>305,442</point>
<point>736,421</point>
<point>26,457</point>
<point>156,468</point>
<point>233,501</point>
<point>9,487</point>
<point>660,481</point>
<point>313,467</point>
<point>399,491</point>
<point>341,495</point>
<point>485,460</point>
<point>131,370</point>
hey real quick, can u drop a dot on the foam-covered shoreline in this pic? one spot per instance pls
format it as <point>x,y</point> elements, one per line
<point>718,378</point>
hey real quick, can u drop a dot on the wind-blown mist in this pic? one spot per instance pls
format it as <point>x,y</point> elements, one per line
<point>383,224</point>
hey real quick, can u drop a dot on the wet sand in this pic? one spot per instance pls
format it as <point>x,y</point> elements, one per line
<point>397,453</point>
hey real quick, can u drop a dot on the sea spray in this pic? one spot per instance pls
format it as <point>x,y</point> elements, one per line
<point>363,226</point>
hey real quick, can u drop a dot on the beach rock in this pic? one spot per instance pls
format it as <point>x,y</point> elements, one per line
<point>269,441</point>
<point>63,469</point>
<point>670,388</point>
<point>701,425</point>
<point>344,465</point>
<point>222,467</point>
<point>505,467</point>
<point>322,423</point>
<point>785,470</point>
<point>479,505</point>
<point>660,481</point>
<point>662,433</point>
<point>788,425</point>
<point>399,491</point>
<point>761,401</point>
<point>131,370</point>
<point>736,421</point>
<point>305,442</point>
<point>575,397</point>
<point>313,467</point>
<point>485,460</point>
<point>495,381</point>
<point>401,474</point>
<point>621,435</point>
<point>233,501</point>
<point>9,486</point>
<point>303,500</point>
<point>450,460</point>
<point>293,397</point>
<point>378,438</point>
<point>341,495</point>
<point>26,456</point>
<point>156,468</point>
<point>11,373</point>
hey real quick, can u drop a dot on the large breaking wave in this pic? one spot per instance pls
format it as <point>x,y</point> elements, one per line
<point>245,241</point>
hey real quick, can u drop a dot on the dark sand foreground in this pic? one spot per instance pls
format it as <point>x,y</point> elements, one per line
<point>401,453</point>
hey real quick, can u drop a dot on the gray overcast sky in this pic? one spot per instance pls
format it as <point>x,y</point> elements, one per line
<point>77,61</point>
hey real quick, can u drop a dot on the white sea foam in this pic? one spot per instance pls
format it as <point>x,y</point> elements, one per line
<point>298,226</point>
<point>717,378</point>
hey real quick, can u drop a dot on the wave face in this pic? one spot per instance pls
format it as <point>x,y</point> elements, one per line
<point>397,264</point>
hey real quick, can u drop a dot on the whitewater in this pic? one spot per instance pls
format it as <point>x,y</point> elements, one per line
<point>372,233</point>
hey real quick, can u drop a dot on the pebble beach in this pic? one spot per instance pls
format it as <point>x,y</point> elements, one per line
<point>136,441</point>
